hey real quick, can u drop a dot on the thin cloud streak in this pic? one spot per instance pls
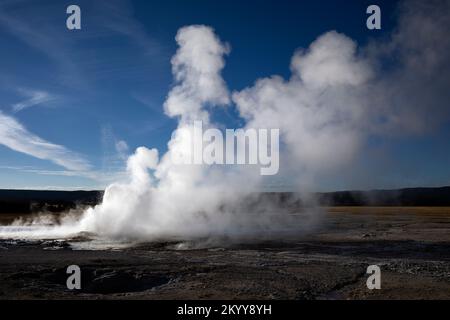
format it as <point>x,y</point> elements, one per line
<point>16,137</point>
<point>77,68</point>
<point>100,177</point>
<point>35,97</point>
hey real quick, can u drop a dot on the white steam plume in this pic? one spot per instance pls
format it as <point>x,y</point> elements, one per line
<point>319,110</point>
<point>338,96</point>
<point>180,200</point>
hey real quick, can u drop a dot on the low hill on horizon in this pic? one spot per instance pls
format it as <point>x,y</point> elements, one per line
<point>31,201</point>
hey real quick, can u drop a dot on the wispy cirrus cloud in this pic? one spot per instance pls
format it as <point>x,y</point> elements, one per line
<point>118,16</point>
<point>16,137</point>
<point>26,22</point>
<point>100,178</point>
<point>77,68</point>
<point>33,98</point>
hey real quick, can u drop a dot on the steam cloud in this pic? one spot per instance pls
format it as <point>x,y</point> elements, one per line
<point>337,96</point>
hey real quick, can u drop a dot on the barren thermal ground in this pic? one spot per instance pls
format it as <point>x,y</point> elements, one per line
<point>410,245</point>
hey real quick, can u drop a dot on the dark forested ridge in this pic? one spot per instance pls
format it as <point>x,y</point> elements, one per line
<point>29,201</point>
<point>401,197</point>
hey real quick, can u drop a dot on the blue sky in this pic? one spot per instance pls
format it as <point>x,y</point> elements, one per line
<point>89,97</point>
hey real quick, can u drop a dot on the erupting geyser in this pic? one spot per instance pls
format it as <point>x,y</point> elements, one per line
<point>337,97</point>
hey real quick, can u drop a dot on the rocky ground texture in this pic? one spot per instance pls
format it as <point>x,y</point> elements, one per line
<point>410,245</point>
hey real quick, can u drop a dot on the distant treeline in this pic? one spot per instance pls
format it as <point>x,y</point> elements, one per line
<point>418,197</point>
<point>30,201</point>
